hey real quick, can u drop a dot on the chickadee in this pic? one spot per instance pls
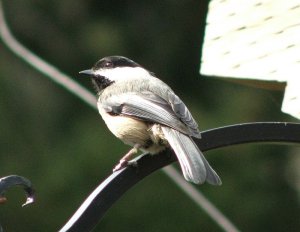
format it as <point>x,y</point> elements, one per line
<point>145,113</point>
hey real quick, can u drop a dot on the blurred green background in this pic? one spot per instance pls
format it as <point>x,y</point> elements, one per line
<point>64,148</point>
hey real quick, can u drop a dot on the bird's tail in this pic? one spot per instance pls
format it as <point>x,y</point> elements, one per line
<point>194,166</point>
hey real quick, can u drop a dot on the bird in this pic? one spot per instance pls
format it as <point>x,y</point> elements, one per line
<point>145,113</point>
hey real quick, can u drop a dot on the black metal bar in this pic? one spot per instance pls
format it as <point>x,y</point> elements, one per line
<point>278,132</point>
<point>110,190</point>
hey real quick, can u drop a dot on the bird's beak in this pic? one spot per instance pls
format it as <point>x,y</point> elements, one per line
<point>88,72</point>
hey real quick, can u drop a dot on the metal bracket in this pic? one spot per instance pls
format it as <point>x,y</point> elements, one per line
<point>111,189</point>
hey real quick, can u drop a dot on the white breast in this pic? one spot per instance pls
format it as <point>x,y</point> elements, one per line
<point>129,130</point>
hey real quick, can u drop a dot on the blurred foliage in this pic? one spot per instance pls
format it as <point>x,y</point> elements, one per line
<point>64,148</point>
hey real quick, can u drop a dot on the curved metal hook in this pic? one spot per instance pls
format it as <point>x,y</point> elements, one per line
<point>13,180</point>
<point>110,190</point>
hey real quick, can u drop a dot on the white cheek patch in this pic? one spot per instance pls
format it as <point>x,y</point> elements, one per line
<point>122,73</point>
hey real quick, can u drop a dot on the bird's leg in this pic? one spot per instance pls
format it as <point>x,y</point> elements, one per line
<point>125,161</point>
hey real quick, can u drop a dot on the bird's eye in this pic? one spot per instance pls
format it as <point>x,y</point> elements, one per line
<point>108,64</point>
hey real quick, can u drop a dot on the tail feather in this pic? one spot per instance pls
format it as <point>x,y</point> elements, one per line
<point>211,176</point>
<point>194,166</point>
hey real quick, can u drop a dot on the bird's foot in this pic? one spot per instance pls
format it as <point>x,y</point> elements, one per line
<point>123,164</point>
<point>125,161</point>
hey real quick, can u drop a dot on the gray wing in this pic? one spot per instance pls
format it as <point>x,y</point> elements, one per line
<point>153,108</point>
<point>184,114</point>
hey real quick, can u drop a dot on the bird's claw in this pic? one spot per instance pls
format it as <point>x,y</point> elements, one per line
<point>124,163</point>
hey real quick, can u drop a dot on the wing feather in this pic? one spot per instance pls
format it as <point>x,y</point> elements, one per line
<point>184,114</point>
<point>146,106</point>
